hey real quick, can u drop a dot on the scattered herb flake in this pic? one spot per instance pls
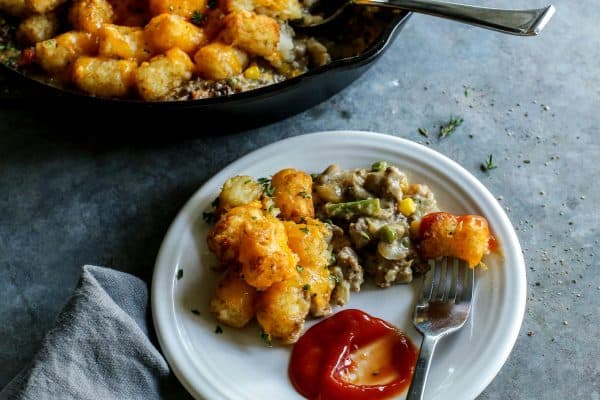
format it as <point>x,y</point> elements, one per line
<point>302,220</point>
<point>424,132</point>
<point>489,164</point>
<point>247,181</point>
<point>179,274</point>
<point>467,91</point>
<point>299,268</point>
<point>304,195</point>
<point>365,235</point>
<point>211,4</point>
<point>266,339</point>
<point>198,18</point>
<point>218,330</point>
<point>450,127</point>
<point>306,287</point>
<point>334,278</point>
<point>268,190</point>
<point>304,229</point>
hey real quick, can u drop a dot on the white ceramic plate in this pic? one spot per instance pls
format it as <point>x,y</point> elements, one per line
<point>236,364</point>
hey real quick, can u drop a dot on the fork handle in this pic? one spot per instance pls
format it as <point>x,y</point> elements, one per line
<point>417,386</point>
<point>515,22</point>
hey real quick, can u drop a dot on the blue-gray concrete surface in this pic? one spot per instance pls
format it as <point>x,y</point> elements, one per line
<point>534,103</point>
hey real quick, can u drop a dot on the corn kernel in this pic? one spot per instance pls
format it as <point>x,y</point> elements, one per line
<point>252,72</point>
<point>407,206</point>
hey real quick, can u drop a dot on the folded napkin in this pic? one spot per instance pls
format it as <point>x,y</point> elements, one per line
<point>101,347</point>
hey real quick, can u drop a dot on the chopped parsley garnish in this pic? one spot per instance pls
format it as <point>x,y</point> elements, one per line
<point>424,132</point>
<point>209,217</point>
<point>198,18</point>
<point>306,287</point>
<point>196,312</point>
<point>334,278</point>
<point>211,4</point>
<point>266,339</point>
<point>302,220</point>
<point>299,268</point>
<point>304,195</point>
<point>268,190</point>
<point>218,330</point>
<point>489,164</point>
<point>247,181</point>
<point>450,127</point>
<point>365,235</point>
<point>179,274</point>
<point>304,229</point>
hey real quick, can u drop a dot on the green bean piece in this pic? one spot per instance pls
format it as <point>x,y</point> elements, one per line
<point>387,234</point>
<point>368,207</point>
<point>379,166</point>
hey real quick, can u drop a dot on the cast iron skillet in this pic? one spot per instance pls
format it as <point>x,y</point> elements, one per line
<point>252,108</point>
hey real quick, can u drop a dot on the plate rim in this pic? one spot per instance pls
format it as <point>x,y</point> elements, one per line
<point>162,309</point>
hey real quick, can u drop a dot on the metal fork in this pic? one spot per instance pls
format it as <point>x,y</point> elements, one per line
<point>442,309</point>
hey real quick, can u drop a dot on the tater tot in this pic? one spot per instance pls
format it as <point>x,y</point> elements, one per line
<point>253,33</point>
<point>122,42</point>
<point>220,61</point>
<point>264,253</point>
<point>104,77</point>
<point>43,6</point>
<point>238,191</point>
<point>233,302</point>
<point>281,310</point>
<point>185,8</point>
<point>38,28</point>
<point>293,194</point>
<point>466,237</point>
<point>224,237</point>
<point>310,241</point>
<point>280,9</point>
<point>58,54</point>
<point>156,78</point>
<point>166,31</point>
<point>90,15</point>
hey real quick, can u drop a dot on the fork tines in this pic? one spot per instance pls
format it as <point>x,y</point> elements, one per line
<point>450,280</point>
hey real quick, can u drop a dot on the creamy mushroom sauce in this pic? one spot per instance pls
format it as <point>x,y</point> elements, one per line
<point>371,218</point>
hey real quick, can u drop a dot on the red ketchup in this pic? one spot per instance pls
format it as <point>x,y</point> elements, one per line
<point>352,356</point>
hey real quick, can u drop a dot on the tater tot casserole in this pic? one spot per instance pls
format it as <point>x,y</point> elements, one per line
<point>292,246</point>
<point>160,50</point>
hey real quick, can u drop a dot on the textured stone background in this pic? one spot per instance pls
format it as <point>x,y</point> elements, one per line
<point>68,199</point>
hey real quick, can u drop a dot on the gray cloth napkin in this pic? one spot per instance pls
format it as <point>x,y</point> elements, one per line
<point>100,347</point>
